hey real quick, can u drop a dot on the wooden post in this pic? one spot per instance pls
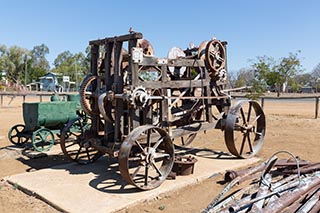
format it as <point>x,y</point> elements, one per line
<point>24,98</point>
<point>108,82</point>
<point>262,102</point>
<point>118,89</point>
<point>40,98</point>
<point>317,107</point>
<point>1,100</point>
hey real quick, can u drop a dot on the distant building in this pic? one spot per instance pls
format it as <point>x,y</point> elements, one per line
<point>307,89</point>
<point>49,82</point>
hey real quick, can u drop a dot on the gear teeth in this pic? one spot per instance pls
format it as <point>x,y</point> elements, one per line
<point>85,104</point>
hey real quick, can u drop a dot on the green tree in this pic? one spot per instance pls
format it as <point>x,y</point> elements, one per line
<point>87,59</point>
<point>73,65</point>
<point>277,74</point>
<point>12,61</point>
<point>64,63</point>
<point>39,57</point>
<point>315,74</point>
<point>3,50</point>
<point>288,68</point>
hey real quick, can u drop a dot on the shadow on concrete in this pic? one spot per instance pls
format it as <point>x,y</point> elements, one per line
<point>205,153</point>
<point>107,177</point>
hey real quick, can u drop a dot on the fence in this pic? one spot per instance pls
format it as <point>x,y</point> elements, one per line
<point>12,96</point>
<point>262,99</point>
<point>316,98</point>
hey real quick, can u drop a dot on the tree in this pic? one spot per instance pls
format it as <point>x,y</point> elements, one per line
<point>3,50</point>
<point>12,62</point>
<point>315,74</point>
<point>39,57</point>
<point>277,74</point>
<point>245,77</point>
<point>73,65</point>
<point>64,63</point>
<point>87,59</point>
<point>288,68</point>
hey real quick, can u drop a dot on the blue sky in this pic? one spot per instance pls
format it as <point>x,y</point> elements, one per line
<point>252,27</point>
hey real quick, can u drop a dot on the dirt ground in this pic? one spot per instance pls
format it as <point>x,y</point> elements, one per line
<point>290,126</point>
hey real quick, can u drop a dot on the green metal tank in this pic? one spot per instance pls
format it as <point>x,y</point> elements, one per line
<point>48,114</point>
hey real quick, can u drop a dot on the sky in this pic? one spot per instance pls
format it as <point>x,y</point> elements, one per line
<point>251,27</point>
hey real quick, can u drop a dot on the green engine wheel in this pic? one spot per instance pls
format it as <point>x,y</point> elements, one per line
<point>42,140</point>
<point>16,135</point>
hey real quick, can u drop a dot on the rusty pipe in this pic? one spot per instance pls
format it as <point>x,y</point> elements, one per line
<point>316,207</point>
<point>302,200</point>
<point>281,188</point>
<point>231,197</point>
<point>304,169</point>
<point>290,162</point>
<point>237,180</point>
<point>231,174</point>
<point>309,204</point>
<point>239,206</point>
<point>290,197</point>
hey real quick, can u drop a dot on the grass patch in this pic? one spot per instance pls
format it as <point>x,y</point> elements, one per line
<point>15,186</point>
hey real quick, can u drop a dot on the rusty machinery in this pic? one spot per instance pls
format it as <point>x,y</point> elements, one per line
<point>142,106</point>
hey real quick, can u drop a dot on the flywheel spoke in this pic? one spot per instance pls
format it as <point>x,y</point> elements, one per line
<point>249,142</point>
<point>243,142</point>
<point>158,143</point>
<point>146,174</point>
<point>139,145</point>
<point>249,112</point>
<point>243,116</point>
<point>133,175</point>
<point>157,169</point>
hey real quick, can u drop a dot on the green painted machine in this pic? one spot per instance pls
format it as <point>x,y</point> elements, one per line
<point>43,120</point>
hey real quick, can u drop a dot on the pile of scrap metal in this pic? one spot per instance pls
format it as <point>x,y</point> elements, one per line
<point>286,185</point>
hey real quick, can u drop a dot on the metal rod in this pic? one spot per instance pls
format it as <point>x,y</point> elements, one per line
<point>183,93</point>
<point>293,195</point>
<point>307,201</point>
<point>236,181</point>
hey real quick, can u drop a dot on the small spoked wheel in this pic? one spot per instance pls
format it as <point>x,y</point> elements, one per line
<point>245,129</point>
<point>16,135</point>
<point>75,145</point>
<point>146,157</point>
<point>215,56</point>
<point>42,140</point>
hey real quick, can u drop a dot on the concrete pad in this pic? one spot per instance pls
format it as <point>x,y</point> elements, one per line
<point>99,187</point>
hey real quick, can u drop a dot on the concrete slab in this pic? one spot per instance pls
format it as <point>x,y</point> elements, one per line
<point>99,187</point>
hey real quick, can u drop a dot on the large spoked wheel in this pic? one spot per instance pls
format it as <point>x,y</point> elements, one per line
<point>75,143</point>
<point>16,135</point>
<point>215,56</point>
<point>42,140</point>
<point>245,129</point>
<point>146,157</point>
